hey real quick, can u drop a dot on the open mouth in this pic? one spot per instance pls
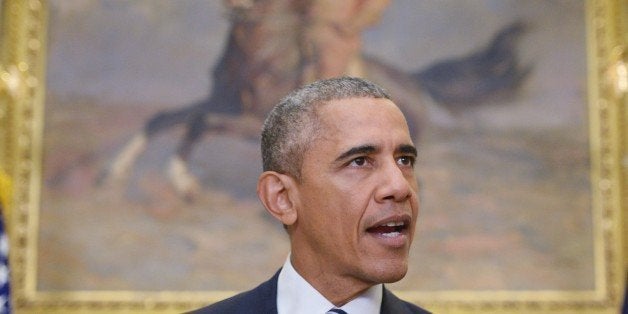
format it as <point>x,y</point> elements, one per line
<point>390,229</point>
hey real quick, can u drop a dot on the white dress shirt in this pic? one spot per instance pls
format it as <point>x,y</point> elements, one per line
<point>296,295</point>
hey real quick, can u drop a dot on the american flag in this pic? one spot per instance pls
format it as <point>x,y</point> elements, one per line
<point>5,306</point>
<point>5,193</point>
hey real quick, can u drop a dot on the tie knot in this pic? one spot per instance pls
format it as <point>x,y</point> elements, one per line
<point>336,311</point>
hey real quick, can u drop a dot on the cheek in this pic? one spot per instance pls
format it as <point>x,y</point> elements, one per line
<point>321,206</point>
<point>355,208</point>
<point>338,202</point>
<point>341,209</point>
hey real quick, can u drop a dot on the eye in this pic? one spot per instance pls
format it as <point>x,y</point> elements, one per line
<point>358,162</point>
<point>406,161</point>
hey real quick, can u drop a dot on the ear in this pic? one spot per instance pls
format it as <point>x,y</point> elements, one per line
<point>274,190</point>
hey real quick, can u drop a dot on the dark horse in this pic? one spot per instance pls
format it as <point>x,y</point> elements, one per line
<point>274,46</point>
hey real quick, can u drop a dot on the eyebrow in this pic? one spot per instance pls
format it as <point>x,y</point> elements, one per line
<point>407,149</point>
<point>358,150</point>
<point>369,149</point>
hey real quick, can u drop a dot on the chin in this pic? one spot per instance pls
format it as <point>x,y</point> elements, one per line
<point>394,277</point>
<point>390,272</point>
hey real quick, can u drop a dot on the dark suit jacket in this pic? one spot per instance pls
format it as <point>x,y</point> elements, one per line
<point>263,300</point>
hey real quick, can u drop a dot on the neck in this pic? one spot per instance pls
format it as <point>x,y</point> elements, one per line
<point>338,290</point>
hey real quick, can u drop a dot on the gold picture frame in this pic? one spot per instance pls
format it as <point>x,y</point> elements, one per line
<point>22,91</point>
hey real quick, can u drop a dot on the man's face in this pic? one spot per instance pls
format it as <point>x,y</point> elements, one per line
<point>357,201</point>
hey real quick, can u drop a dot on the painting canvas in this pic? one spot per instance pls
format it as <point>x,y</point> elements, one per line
<point>505,187</point>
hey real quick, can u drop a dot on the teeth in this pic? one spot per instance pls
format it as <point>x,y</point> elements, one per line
<point>394,224</point>
<point>391,234</point>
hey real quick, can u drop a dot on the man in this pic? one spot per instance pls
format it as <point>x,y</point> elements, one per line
<point>339,174</point>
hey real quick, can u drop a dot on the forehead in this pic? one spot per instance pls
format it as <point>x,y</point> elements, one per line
<point>339,115</point>
<point>358,121</point>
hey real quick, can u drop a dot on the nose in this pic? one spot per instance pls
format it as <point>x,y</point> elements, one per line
<point>394,185</point>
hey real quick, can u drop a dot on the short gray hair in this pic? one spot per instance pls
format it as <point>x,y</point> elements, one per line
<point>293,123</point>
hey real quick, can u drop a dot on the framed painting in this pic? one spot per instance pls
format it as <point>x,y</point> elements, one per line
<point>518,108</point>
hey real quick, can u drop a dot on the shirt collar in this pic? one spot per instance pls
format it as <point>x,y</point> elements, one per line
<point>296,295</point>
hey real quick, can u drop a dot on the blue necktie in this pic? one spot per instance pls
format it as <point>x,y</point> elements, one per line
<point>336,311</point>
